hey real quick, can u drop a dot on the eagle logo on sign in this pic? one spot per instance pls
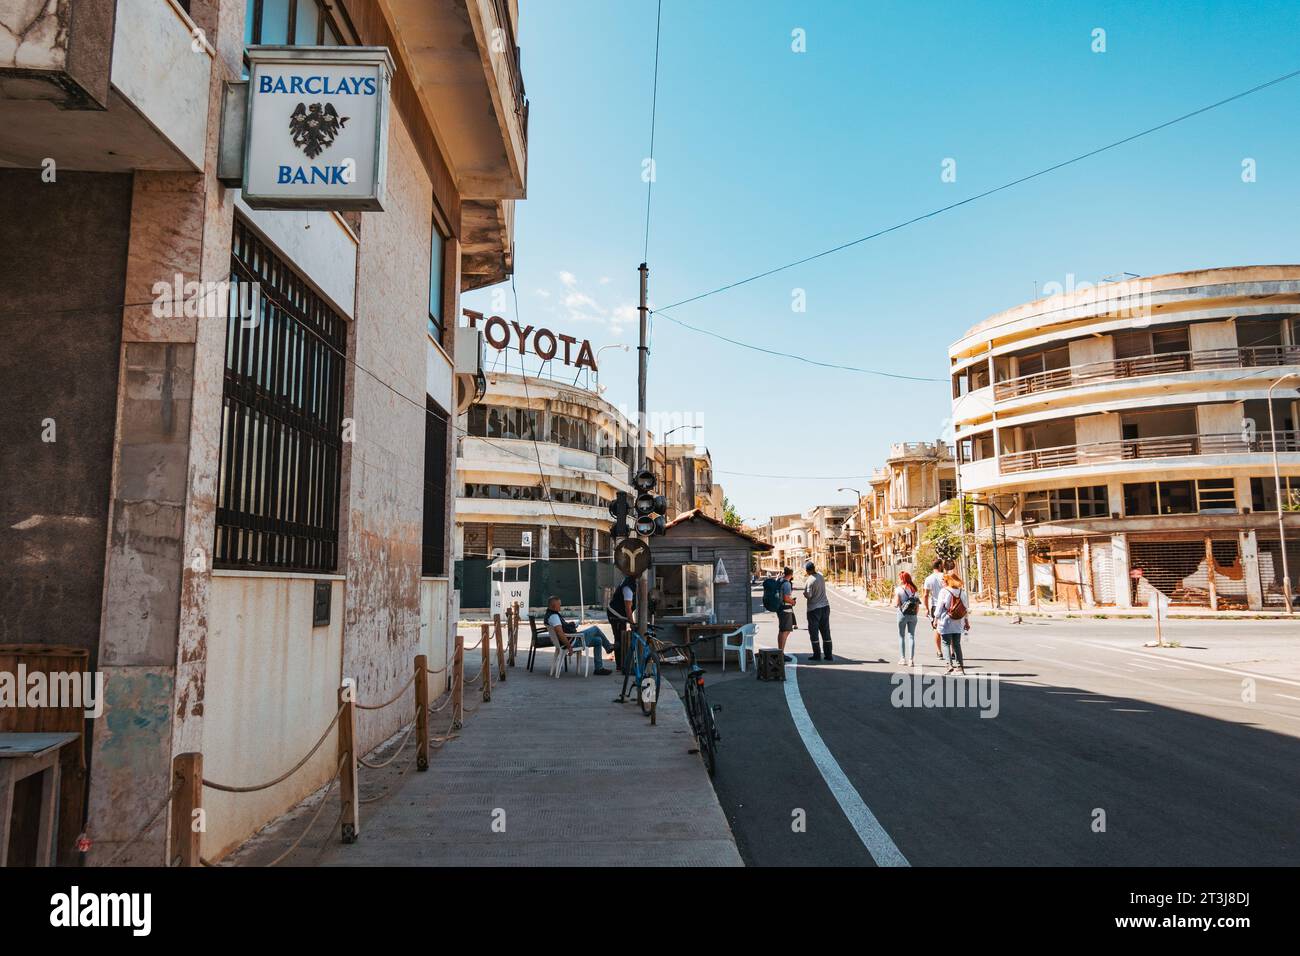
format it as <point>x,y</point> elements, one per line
<point>314,128</point>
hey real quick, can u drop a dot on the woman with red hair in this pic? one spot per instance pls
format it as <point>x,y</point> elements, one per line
<point>907,603</point>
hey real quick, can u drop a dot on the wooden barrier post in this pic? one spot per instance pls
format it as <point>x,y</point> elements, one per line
<point>514,632</point>
<point>485,674</point>
<point>458,684</point>
<point>348,757</point>
<point>421,712</point>
<point>187,776</point>
<point>501,650</point>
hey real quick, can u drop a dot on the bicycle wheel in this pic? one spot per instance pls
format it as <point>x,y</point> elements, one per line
<point>707,734</point>
<point>691,700</point>
<point>648,682</point>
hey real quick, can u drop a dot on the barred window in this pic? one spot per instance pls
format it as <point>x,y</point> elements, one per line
<point>434,554</point>
<point>282,416</point>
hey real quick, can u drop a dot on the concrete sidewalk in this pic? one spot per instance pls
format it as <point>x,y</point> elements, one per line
<point>551,772</point>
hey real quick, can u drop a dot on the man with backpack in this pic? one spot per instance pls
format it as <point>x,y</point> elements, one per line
<point>778,597</point>
<point>953,619</point>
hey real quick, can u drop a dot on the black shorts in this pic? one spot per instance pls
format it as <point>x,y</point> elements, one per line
<point>785,620</point>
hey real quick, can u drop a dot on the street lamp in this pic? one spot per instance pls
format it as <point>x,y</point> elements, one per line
<point>1277,487</point>
<point>866,529</point>
<point>618,345</point>
<point>664,438</point>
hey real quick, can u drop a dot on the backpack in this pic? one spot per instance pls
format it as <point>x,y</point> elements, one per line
<point>956,607</point>
<point>910,603</point>
<point>772,594</point>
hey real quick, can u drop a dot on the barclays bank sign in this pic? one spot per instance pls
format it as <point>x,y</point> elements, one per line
<point>316,127</point>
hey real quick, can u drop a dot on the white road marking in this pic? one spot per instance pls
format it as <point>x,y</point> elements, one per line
<point>863,821</point>
<point>1287,696</point>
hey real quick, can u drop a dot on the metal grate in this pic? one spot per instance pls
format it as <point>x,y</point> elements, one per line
<point>1270,566</point>
<point>282,417</point>
<point>1180,570</point>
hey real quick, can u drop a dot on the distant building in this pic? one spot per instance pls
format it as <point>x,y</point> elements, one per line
<point>1127,429</point>
<point>688,480</point>
<point>541,458</point>
<point>906,496</point>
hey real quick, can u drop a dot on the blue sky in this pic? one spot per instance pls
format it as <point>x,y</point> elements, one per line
<point>764,155</point>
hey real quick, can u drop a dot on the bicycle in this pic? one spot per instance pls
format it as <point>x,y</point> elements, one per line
<point>641,672</point>
<point>698,709</point>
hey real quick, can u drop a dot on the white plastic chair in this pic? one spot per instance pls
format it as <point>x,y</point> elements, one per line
<point>576,649</point>
<point>745,633</point>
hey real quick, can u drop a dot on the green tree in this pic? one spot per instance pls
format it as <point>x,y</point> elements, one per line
<point>730,516</point>
<point>942,541</point>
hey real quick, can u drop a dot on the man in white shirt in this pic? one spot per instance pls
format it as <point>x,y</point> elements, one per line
<point>561,634</point>
<point>931,588</point>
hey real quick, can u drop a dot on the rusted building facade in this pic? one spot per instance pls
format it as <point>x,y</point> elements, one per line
<point>1137,432</point>
<point>231,517</point>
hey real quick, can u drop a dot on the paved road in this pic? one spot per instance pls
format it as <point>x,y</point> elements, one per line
<point>1162,742</point>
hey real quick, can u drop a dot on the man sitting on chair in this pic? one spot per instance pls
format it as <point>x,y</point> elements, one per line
<point>562,630</point>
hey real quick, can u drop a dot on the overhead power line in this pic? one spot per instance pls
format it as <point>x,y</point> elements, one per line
<point>988,192</point>
<point>796,357</point>
<point>654,105</point>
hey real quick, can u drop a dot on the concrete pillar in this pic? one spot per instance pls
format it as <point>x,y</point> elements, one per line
<point>1086,584</point>
<point>544,548</point>
<point>1249,547</point>
<point>1119,561</point>
<point>1024,571</point>
<point>1115,497</point>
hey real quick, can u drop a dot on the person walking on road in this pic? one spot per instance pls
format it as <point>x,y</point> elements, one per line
<point>953,618</point>
<point>819,614</point>
<point>785,616</point>
<point>932,586</point>
<point>907,604</point>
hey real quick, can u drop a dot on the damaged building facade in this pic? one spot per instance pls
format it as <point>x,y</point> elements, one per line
<point>230,514</point>
<point>1126,433</point>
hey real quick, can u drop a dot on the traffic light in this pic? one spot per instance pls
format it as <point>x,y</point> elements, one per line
<point>618,509</point>
<point>651,509</point>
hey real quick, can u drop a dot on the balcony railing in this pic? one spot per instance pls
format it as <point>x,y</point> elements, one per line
<point>511,52</point>
<point>1256,356</point>
<point>1162,446</point>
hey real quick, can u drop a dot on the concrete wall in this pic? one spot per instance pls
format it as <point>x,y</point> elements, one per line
<point>272,684</point>
<point>1097,428</point>
<point>1092,349</point>
<point>1212,335</point>
<point>384,466</point>
<point>61,287</point>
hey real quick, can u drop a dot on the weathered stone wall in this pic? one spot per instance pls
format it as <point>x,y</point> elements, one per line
<point>60,294</point>
<point>385,463</point>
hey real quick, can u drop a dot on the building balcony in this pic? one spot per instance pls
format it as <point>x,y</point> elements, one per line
<point>1166,364</point>
<point>911,450</point>
<point>464,62</point>
<point>1162,446</point>
<point>104,85</point>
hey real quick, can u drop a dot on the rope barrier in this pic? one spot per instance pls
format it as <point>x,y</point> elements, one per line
<point>474,646</point>
<point>443,705</point>
<point>176,788</point>
<point>315,816</point>
<point>391,700</point>
<point>380,766</point>
<point>440,670</point>
<point>224,788</point>
<point>474,678</point>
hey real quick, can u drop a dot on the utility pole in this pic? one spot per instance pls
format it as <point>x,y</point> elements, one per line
<point>643,438</point>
